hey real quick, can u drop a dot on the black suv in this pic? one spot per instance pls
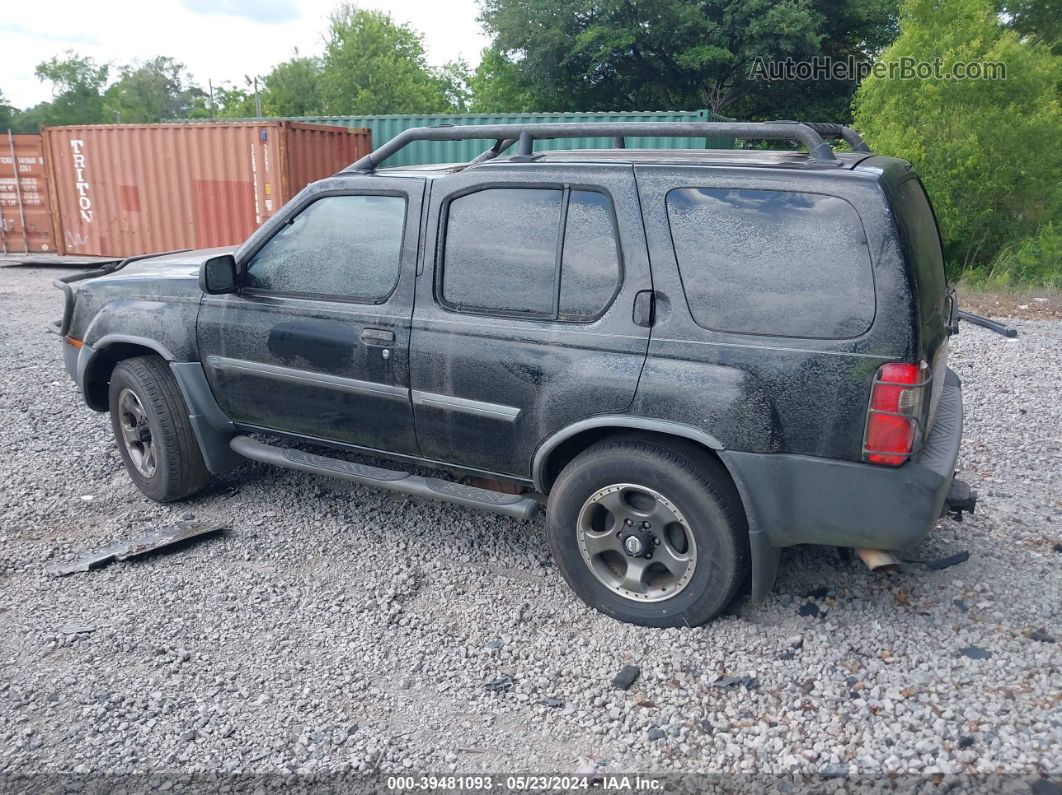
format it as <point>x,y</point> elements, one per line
<point>693,357</point>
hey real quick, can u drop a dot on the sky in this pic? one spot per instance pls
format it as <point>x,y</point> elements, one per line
<point>218,40</point>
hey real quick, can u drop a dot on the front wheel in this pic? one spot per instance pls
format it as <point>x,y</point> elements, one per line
<point>648,532</point>
<point>154,435</point>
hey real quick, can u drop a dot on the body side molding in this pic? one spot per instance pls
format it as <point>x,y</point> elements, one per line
<point>292,375</point>
<point>479,407</point>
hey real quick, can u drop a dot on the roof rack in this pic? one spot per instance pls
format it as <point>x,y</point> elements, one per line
<point>505,135</point>
<point>829,129</point>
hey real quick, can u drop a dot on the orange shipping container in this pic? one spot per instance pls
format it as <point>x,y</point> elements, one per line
<point>127,189</point>
<point>26,223</point>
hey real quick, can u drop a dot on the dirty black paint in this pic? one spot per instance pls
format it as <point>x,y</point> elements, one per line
<point>324,346</point>
<point>754,393</point>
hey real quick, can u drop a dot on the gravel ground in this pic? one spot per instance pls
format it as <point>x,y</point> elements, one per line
<point>338,628</point>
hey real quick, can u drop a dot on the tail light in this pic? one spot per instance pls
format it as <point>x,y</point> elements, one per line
<point>894,418</point>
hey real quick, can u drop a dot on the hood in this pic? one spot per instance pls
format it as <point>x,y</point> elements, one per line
<point>178,265</point>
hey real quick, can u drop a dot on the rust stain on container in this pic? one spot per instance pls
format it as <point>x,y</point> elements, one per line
<point>26,222</point>
<point>126,189</point>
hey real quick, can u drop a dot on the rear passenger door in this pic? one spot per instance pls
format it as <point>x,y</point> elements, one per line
<point>524,319</point>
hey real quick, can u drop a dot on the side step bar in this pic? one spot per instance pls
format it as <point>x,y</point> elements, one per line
<point>404,482</point>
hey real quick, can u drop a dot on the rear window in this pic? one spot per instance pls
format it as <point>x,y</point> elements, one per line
<point>923,243</point>
<point>772,262</point>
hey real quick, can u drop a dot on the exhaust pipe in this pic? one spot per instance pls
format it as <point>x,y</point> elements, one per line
<point>878,559</point>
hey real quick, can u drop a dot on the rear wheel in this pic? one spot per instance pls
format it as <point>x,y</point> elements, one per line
<point>154,435</point>
<point>649,532</point>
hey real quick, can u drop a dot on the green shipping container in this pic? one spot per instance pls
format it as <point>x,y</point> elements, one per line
<point>386,127</point>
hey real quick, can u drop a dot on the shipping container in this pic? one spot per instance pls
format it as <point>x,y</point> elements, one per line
<point>26,222</point>
<point>126,189</point>
<point>385,128</point>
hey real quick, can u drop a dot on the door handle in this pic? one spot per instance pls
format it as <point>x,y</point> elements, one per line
<point>643,309</point>
<point>377,335</point>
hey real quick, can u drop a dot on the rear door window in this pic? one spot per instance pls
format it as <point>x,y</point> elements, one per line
<point>782,263</point>
<point>548,253</point>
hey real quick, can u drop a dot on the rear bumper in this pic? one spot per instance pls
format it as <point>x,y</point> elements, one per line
<point>794,499</point>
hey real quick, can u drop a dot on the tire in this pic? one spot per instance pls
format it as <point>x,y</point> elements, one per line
<point>693,513</point>
<point>164,462</point>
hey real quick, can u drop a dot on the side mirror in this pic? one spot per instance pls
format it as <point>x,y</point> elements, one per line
<point>219,275</point>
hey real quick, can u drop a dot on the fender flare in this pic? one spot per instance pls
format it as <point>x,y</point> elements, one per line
<point>112,339</point>
<point>538,463</point>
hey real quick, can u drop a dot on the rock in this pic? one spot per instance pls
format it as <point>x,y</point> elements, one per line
<point>808,610</point>
<point>966,741</point>
<point>1042,636</point>
<point>552,703</point>
<point>501,684</point>
<point>78,629</point>
<point>1043,786</point>
<point>626,677</point>
<point>834,771</point>
<point>750,682</point>
<point>975,653</point>
<point>656,734</point>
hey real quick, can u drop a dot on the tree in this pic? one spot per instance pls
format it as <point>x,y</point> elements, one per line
<point>985,148</point>
<point>77,83</point>
<point>671,54</point>
<point>372,65</point>
<point>455,82</point>
<point>1036,21</point>
<point>233,102</point>
<point>7,113</point>
<point>293,88</point>
<point>852,31</point>
<point>498,86</point>
<point>149,92</point>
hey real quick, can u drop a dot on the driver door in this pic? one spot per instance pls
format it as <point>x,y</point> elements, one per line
<point>316,341</point>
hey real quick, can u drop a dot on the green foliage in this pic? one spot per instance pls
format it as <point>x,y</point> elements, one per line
<point>498,86</point>
<point>149,92</point>
<point>986,149</point>
<point>455,81</point>
<point>293,88</point>
<point>1034,261</point>
<point>372,65</point>
<point>233,102</point>
<point>7,113</point>
<point>77,83</point>
<point>1037,21</point>
<point>672,54</point>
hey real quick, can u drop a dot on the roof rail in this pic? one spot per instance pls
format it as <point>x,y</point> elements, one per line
<point>829,129</point>
<point>819,152</point>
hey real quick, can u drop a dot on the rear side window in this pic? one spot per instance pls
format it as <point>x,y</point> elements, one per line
<point>772,262</point>
<point>546,253</point>
<point>923,241</point>
<point>345,247</point>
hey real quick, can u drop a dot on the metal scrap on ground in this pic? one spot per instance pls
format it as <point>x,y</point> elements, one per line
<point>149,542</point>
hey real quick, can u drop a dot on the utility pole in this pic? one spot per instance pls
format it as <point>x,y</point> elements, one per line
<point>257,101</point>
<point>210,85</point>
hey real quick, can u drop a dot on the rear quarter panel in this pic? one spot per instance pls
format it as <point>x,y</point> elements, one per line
<point>760,393</point>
